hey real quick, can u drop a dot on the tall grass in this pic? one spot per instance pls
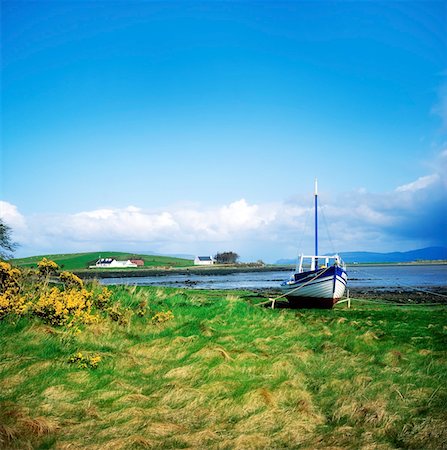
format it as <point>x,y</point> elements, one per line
<point>223,373</point>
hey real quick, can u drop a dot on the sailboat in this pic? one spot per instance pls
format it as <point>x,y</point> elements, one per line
<point>318,281</point>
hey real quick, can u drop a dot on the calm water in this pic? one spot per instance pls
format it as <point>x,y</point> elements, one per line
<point>378,277</point>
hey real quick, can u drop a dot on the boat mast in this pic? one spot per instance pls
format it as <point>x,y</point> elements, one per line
<point>316,223</point>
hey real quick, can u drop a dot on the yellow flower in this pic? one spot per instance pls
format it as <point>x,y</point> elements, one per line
<point>85,361</point>
<point>71,280</point>
<point>9,277</point>
<point>46,267</point>
<point>163,317</point>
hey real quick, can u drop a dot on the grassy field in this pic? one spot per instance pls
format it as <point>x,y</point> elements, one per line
<point>223,373</point>
<point>79,261</point>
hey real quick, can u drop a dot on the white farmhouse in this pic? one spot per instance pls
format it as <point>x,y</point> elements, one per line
<point>112,263</point>
<point>203,261</point>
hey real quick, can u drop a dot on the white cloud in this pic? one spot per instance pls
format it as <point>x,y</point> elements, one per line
<point>410,216</point>
<point>371,216</point>
<point>127,224</point>
<point>225,225</point>
<point>420,183</point>
<point>240,216</point>
<point>11,215</point>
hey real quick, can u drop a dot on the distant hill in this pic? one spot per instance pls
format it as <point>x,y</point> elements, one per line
<point>423,254</point>
<point>78,261</point>
<point>169,255</point>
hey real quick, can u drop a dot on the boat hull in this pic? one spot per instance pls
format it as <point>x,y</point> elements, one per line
<point>311,302</point>
<point>320,288</point>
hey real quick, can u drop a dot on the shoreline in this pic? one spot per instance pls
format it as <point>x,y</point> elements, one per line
<point>218,270</point>
<point>416,295</point>
<point>433,295</point>
<point>161,271</point>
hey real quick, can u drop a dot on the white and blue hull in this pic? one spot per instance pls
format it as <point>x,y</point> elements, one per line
<point>316,288</point>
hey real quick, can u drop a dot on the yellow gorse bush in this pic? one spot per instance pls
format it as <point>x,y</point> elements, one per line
<point>70,304</point>
<point>102,300</point>
<point>85,361</point>
<point>142,308</point>
<point>13,303</point>
<point>55,306</point>
<point>162,317</point>
<point>9,277</point>
<point>119,314</point>
<point>71,280</point>
<point>62,307</point>
<point>47,267</point>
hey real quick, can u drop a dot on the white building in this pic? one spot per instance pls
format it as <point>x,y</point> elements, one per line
<point>203,261</point>
<point>111,263</point>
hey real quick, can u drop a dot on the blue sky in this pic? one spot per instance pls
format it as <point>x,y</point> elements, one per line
<point>197,127</point>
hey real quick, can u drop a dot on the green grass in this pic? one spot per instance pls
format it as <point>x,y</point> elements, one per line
<point>79,261</point>
<point>227,374</point>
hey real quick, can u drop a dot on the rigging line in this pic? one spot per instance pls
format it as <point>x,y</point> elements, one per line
<point>302,235</point>
<point>400,283</point>
<point>327,229</point>
<point>304,228</point>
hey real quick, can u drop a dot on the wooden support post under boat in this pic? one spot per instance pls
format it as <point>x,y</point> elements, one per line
<point>346,300</point>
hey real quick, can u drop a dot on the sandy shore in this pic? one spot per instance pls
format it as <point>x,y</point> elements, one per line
<point>423,295</point>
<point>426,294</point>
